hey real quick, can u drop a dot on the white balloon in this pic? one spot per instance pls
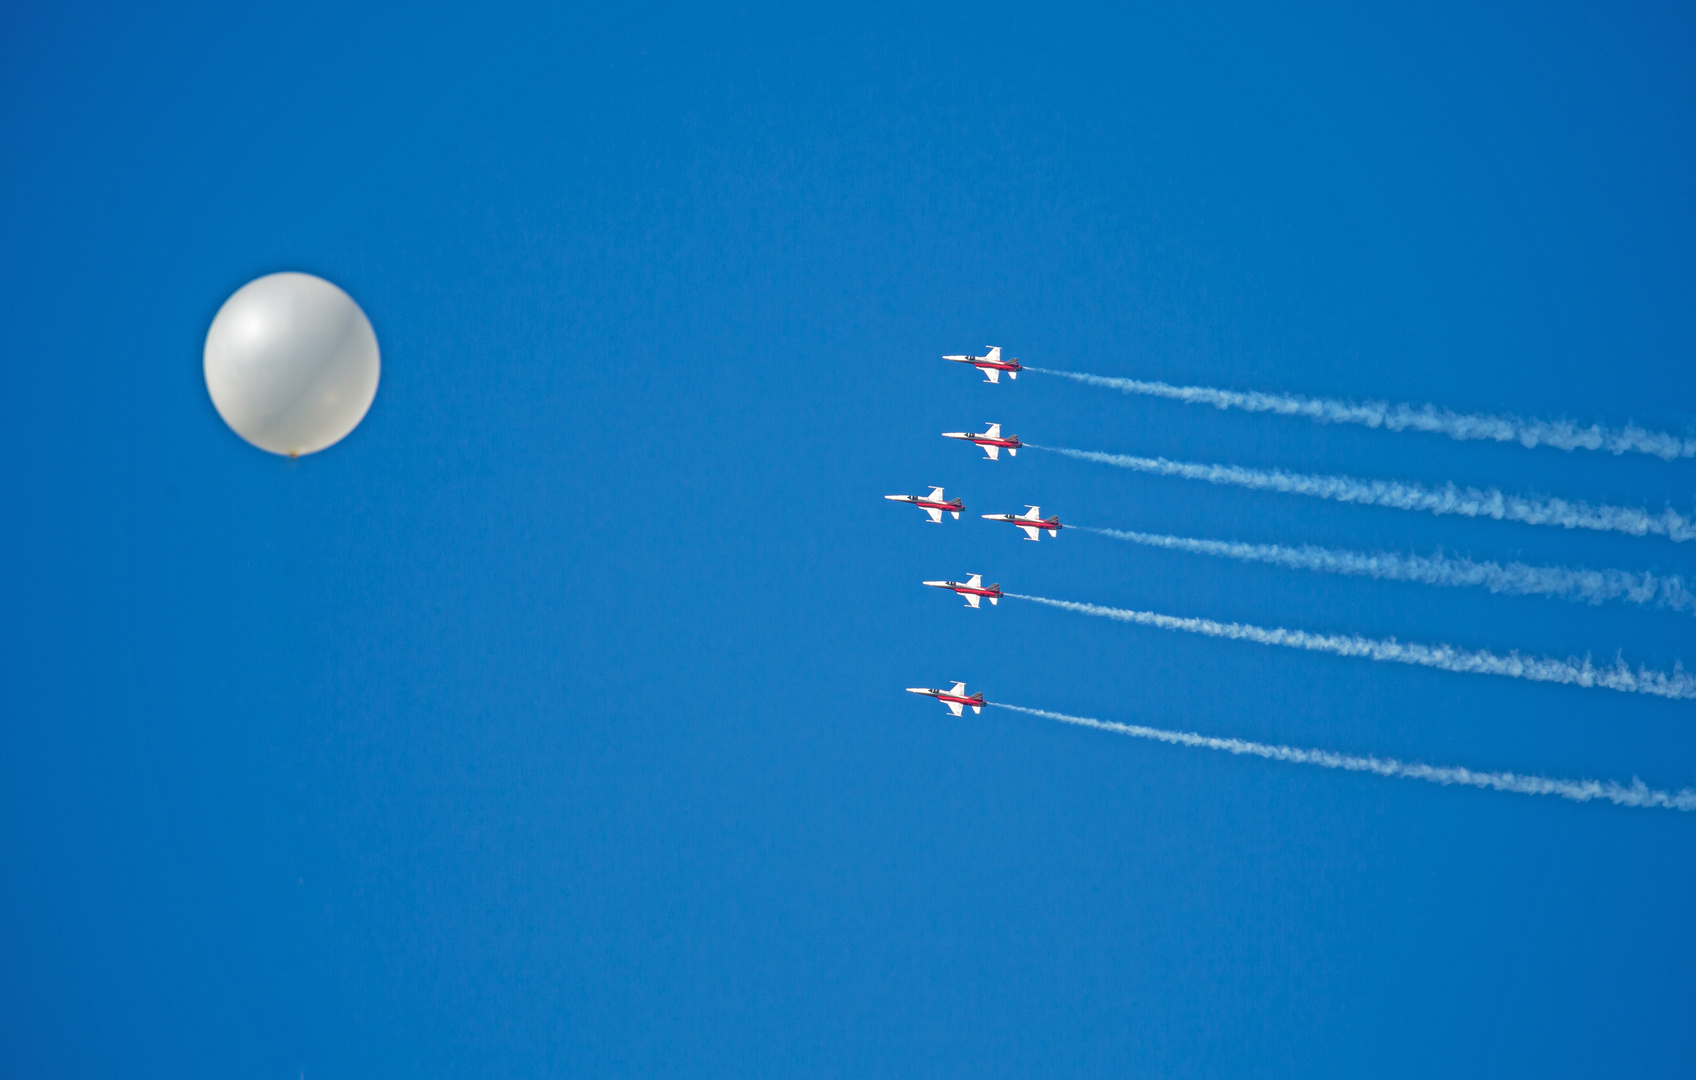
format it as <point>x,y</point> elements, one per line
<point>291,363</point>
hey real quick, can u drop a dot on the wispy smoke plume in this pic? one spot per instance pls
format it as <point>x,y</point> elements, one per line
<point>1561,434</point>
<point>1518,579</point>
<point>1638,794</point>
<point>1572,672</point>
<point>1448,499</point>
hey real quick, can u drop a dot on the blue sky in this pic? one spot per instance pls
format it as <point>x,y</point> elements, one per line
<point>552,724</point>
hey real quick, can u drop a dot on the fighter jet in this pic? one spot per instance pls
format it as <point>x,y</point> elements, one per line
<point>1033,523</point>
<point>991,364</point>
<point>956,699</point>
<point>972,589</point>
<point>931,504</point>
<point>991,441</point>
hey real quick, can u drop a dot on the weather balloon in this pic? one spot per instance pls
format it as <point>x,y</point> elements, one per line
<point>291,363</point>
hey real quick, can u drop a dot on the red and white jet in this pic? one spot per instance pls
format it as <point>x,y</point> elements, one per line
<point>1033,523</point>
<point>990,440</point>
<point>991,364</point>
<point>932,504</point>
<point>956,699</point>
<point>972,589</point>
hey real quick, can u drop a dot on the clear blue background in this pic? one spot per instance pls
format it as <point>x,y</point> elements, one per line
<point>552,724</point>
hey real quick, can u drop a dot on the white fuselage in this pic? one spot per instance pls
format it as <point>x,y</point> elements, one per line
<point>1033,523</point>
<point>974,593</point>
<point>933,506</point>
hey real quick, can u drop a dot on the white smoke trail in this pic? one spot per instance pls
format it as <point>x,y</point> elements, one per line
<point>1448,499</point>
<point>1561,434</point>
<point>1571,672</point>
<point>1638,794</point>
<point>1518,579</point>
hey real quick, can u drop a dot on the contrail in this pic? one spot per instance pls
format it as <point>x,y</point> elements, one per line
<point>1448,499</point>
<point>1561,434</point>
<point>1572,672</point>
<point>1517,579</point>
<point>1638,794</point>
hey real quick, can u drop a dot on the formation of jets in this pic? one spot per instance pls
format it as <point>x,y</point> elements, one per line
<point>990,440</point>
<point>991,364</point>
<point>936,504</point>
